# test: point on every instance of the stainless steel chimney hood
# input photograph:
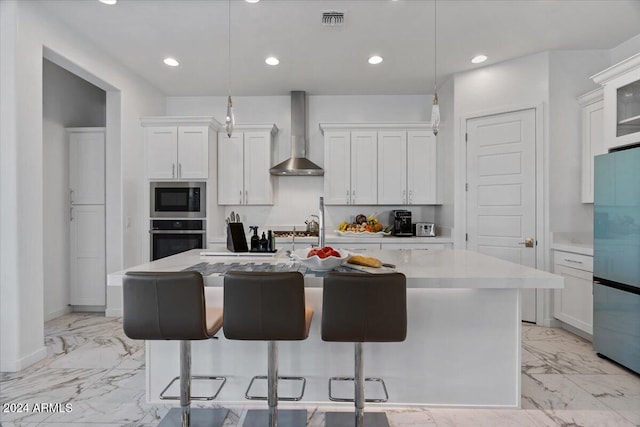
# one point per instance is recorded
(298, 164)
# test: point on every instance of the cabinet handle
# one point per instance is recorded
(353, 197)
(71, 195)
(347, 196)
(173, 170)
(246, 197)
(240, 197)
(71, 213)
(573, 261)
(180, 170)
(404, 196)
(410, 197)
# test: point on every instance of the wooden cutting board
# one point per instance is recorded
(372, 270)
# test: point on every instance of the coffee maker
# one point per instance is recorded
(401, 220)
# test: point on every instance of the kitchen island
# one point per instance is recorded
(462, 348)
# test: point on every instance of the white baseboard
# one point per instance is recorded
(57, 313)
(111, 312)
(24, 362)
(88, 308)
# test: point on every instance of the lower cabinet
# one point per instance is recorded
(574, 303)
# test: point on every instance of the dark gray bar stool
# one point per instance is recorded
(360, 308)
(171, 306)
(268, 306)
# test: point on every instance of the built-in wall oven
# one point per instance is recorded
(178, 212)
(178, 200)
(172, 236)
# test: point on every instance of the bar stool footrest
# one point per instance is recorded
(370, 379)
(283, 399)
(347, 419)
(195, 377)
(199, 417)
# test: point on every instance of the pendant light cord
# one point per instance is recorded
(435, 46)
(229, 48)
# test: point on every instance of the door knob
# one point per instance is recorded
(528, 242)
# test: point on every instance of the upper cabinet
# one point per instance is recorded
(592, 105)
(621, 102)
(243, 165)
(379, 163)
(178, 147)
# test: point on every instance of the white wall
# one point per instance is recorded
(297, 197)
(26, 33)
(67, 101)
(569, 73)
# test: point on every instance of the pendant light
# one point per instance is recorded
(435, 109)
(230, 120)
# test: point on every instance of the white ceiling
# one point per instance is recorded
(325, 60)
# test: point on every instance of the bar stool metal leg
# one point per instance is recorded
(185, 416)
(359, 385)
(272, 383)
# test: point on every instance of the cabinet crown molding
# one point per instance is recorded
(617, 70)
(181, 121)
(266, 127)
(591, 96)
(376, 126)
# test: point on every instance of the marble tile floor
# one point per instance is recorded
(95, 368)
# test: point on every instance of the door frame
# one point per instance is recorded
(543, 298)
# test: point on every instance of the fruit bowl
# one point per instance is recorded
(317, 263)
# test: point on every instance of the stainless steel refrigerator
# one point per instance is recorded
(616, 264)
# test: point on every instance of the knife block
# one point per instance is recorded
(236, 239)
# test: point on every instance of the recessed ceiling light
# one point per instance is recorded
(375, 60)
(109, 2)
(171, 62)
(272, 60)
(252, 1)
(479, 59)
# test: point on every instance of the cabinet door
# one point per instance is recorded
(592, 145)
(230, 169)
(162, 150)
(421, 168)
(193, 152)
(364, 168)
(574, 303)
(257, 161)
(86, 167)
(337, 168)
(392, 168)
(87, 255)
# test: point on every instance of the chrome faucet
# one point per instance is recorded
(321, 224)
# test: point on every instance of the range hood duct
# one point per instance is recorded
(298, 164)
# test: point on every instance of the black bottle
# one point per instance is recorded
(255, 240)
(263, 243)
(269, 241)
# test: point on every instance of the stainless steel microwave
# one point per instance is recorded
(178, 200)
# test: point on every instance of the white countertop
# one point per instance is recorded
(579, 243)
(332, 238)
(423, 268)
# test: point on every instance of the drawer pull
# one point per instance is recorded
(573, 260)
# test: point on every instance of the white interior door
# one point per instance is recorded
(501, 191)
(86, 167)
(87, 255)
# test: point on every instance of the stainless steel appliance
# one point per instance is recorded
(178, 200)
(425, 229)
(616, 263)
(401, 220)
(169, 237)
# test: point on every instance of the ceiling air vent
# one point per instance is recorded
(333, 18)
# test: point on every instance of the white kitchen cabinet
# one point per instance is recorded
(402, 171)
(350, 167)
(177, 148)
(592, 104)
(574, 303)
(244, 161)
(87, 255)
(621, 102)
